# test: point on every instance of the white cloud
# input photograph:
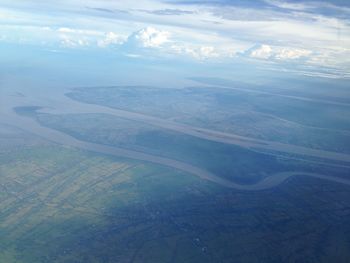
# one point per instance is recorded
(82, 32)
(290, 53)
(260, 51)
(153, 42)
(148, 37)
(207, 51)
(289, 5)
(73, 38)
(67, 41)
(111, 38)
(65, 30)
(294, 31)
(130, 55)
(267, 52)
(197, 52)
(146, 40)
(310, 6)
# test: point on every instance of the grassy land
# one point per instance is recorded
(306, 123)
(229, 161)
(63, 205)
(49, 194)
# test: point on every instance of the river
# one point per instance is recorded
(60, 104)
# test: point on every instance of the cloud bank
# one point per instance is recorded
(310, 33)
(267, 52)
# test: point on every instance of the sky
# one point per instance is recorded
(307, 37)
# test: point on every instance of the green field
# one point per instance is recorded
(56, 198)
(307, 123)
(228, 161)
(63, 205)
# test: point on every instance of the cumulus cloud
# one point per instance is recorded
(148, 37)
(111, 38)
(75, 38)
(152, 42)
(72, 37)
(67, 41)
(197, 52)
(260, 51)
(267, 52)
(202, 52)
(286, 53)
(308, 32)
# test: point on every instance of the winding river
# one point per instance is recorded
(8, 116)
